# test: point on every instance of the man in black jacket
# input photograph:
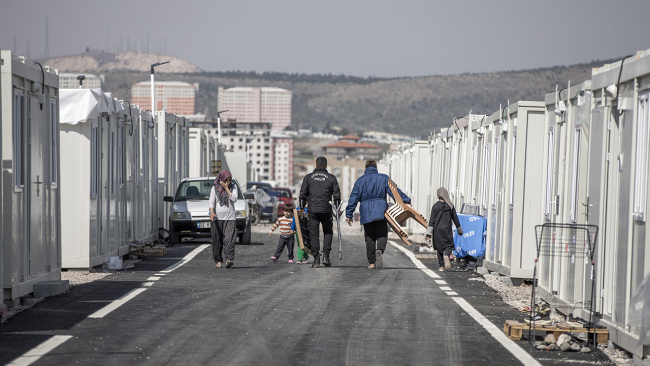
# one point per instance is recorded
(317, 191)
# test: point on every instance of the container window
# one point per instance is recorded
(136, 153)
(145, 161)
(641, 168)
(473, 174)
(486, 169)
(454, 168)
(54, 162)
(463, 166)
(494, 172)
(94, 163)
(111, 157)
(574, 180)
(513, 161)
(549, 174)
(120, 155)
(18, 132)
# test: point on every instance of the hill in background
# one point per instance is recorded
(97, 62)
(414, 106)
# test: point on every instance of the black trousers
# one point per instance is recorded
(442, 253)
(315, 220)
(285, 240)
(223, 239)
(376, 235)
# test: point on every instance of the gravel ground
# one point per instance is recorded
(77, 278)
(517, 297)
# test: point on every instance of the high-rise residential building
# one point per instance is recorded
(71, 81)
(283, 160)
(252, 138)
(246, 104)
(174, 96)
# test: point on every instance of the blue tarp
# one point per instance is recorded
(472, 242)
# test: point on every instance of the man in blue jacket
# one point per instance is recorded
(371, 190)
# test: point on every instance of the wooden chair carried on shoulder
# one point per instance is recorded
(397, 214)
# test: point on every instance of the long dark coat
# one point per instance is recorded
(440, 220)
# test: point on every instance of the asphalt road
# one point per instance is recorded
(265, 313)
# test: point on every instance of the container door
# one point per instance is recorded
(36, 190)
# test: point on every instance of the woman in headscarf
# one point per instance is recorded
(442, 215)
(222, 214)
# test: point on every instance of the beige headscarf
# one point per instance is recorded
(442, 193)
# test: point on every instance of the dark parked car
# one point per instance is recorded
(285, 198)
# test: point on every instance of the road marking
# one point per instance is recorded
(451, 293)
(441, 282)
(39, 351)
(117, 303)
(445, 288)
(497, 333)
(160, 274)
(185, 259)
(153, 278)
(147, 284)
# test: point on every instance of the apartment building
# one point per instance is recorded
(249, 105)
(174, 96)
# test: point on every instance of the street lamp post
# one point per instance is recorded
(153, 95)
(81, 80)
(219, 124)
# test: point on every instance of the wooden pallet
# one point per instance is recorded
(514, 329)
(426, 256)
(147, 250)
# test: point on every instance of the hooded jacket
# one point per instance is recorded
(371, 190)
(318, 189)
(441, 218)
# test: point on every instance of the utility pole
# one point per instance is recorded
(153, 88)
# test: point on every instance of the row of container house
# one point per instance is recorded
(84, 174)
(580, 157)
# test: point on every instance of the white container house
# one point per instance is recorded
(31, 235)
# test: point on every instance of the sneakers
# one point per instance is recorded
(447, 262)
(316, 263)
(274, 259)
(229, 263)
(305, 261)
(290, 261)
(372, 266)
(379, 261)
(326, 260)
(441, 269)
(218, 264)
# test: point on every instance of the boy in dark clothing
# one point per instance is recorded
(440, 230)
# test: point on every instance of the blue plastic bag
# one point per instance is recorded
(472, 242)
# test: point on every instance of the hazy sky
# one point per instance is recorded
(362, 38)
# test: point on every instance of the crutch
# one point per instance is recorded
(337, 216)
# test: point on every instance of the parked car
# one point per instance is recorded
(285, 198)
(190, 213)
(268, 212)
